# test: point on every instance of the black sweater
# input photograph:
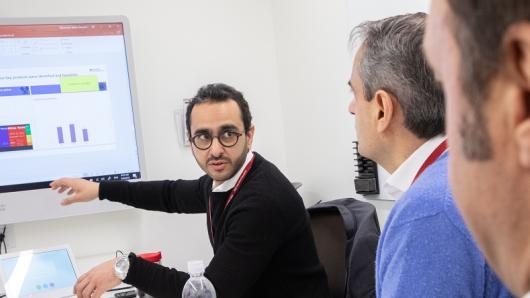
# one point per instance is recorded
(263, 244)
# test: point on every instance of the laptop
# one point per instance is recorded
(39, 273)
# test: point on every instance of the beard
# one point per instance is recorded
(233, 164)
(475, 138)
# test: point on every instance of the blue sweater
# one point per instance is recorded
(425, 249)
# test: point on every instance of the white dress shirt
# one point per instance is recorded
(230, 183)
(402, 178)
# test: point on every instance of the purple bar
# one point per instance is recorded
(60, 134)
(4, 137)
(72, 133)
(85, 134)
(14, 91)
(46, 89)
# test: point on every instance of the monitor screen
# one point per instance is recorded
(65, 104)
(47, 273)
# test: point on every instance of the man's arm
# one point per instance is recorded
(254, 234)
(182, 196)
(102, 278)
(429, 258)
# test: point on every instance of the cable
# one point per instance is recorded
(3, 241)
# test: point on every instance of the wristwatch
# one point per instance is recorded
(121, 266)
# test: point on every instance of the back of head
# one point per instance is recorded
(393, 61)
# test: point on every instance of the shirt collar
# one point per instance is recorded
(230, 183)
(402, 178)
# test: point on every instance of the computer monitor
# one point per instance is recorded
(67, 109)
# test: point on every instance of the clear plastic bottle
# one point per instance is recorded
(197, 286)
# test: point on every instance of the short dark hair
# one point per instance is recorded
(479, 26)
(393, 61)
(219, 92)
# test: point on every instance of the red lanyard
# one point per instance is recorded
(432, 158)
(232, 193)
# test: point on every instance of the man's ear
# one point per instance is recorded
(516, 48)
(250, 136)
(384, 109)
(522, 137)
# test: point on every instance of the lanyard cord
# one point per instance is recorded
(231, 196)
(431, 159)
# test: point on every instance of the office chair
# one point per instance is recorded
(346, 233)
(330, 240)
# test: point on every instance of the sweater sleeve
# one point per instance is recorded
(181, 196)
(428, 258)
(155, 279)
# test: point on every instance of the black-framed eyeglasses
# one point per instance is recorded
(227, 139)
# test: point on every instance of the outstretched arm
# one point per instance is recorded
(181, 196)
(79, 190)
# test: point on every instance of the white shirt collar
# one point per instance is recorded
(230, 183)
(527, 295)
(402, 178)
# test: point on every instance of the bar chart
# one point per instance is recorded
(73, 135)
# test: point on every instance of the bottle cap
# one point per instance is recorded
(195, 267)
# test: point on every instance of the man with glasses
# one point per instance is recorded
(257, 223)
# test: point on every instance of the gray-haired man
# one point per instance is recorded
(425, 249)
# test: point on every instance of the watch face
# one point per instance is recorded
(121, 267)
(122, 263)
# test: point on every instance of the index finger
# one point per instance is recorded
(57, 183)
(81, 284)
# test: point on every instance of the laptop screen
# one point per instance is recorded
(48, 273)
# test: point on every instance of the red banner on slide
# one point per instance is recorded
(64, 30)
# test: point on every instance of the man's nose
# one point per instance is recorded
(351, 107)
(216, 149)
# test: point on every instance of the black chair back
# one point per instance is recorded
(330, 240)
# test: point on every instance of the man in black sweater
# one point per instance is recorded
(257, 223)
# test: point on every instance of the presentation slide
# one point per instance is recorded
(66, 107)
(76, 96)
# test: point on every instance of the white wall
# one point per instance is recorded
(314, 65)
(178, 46)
